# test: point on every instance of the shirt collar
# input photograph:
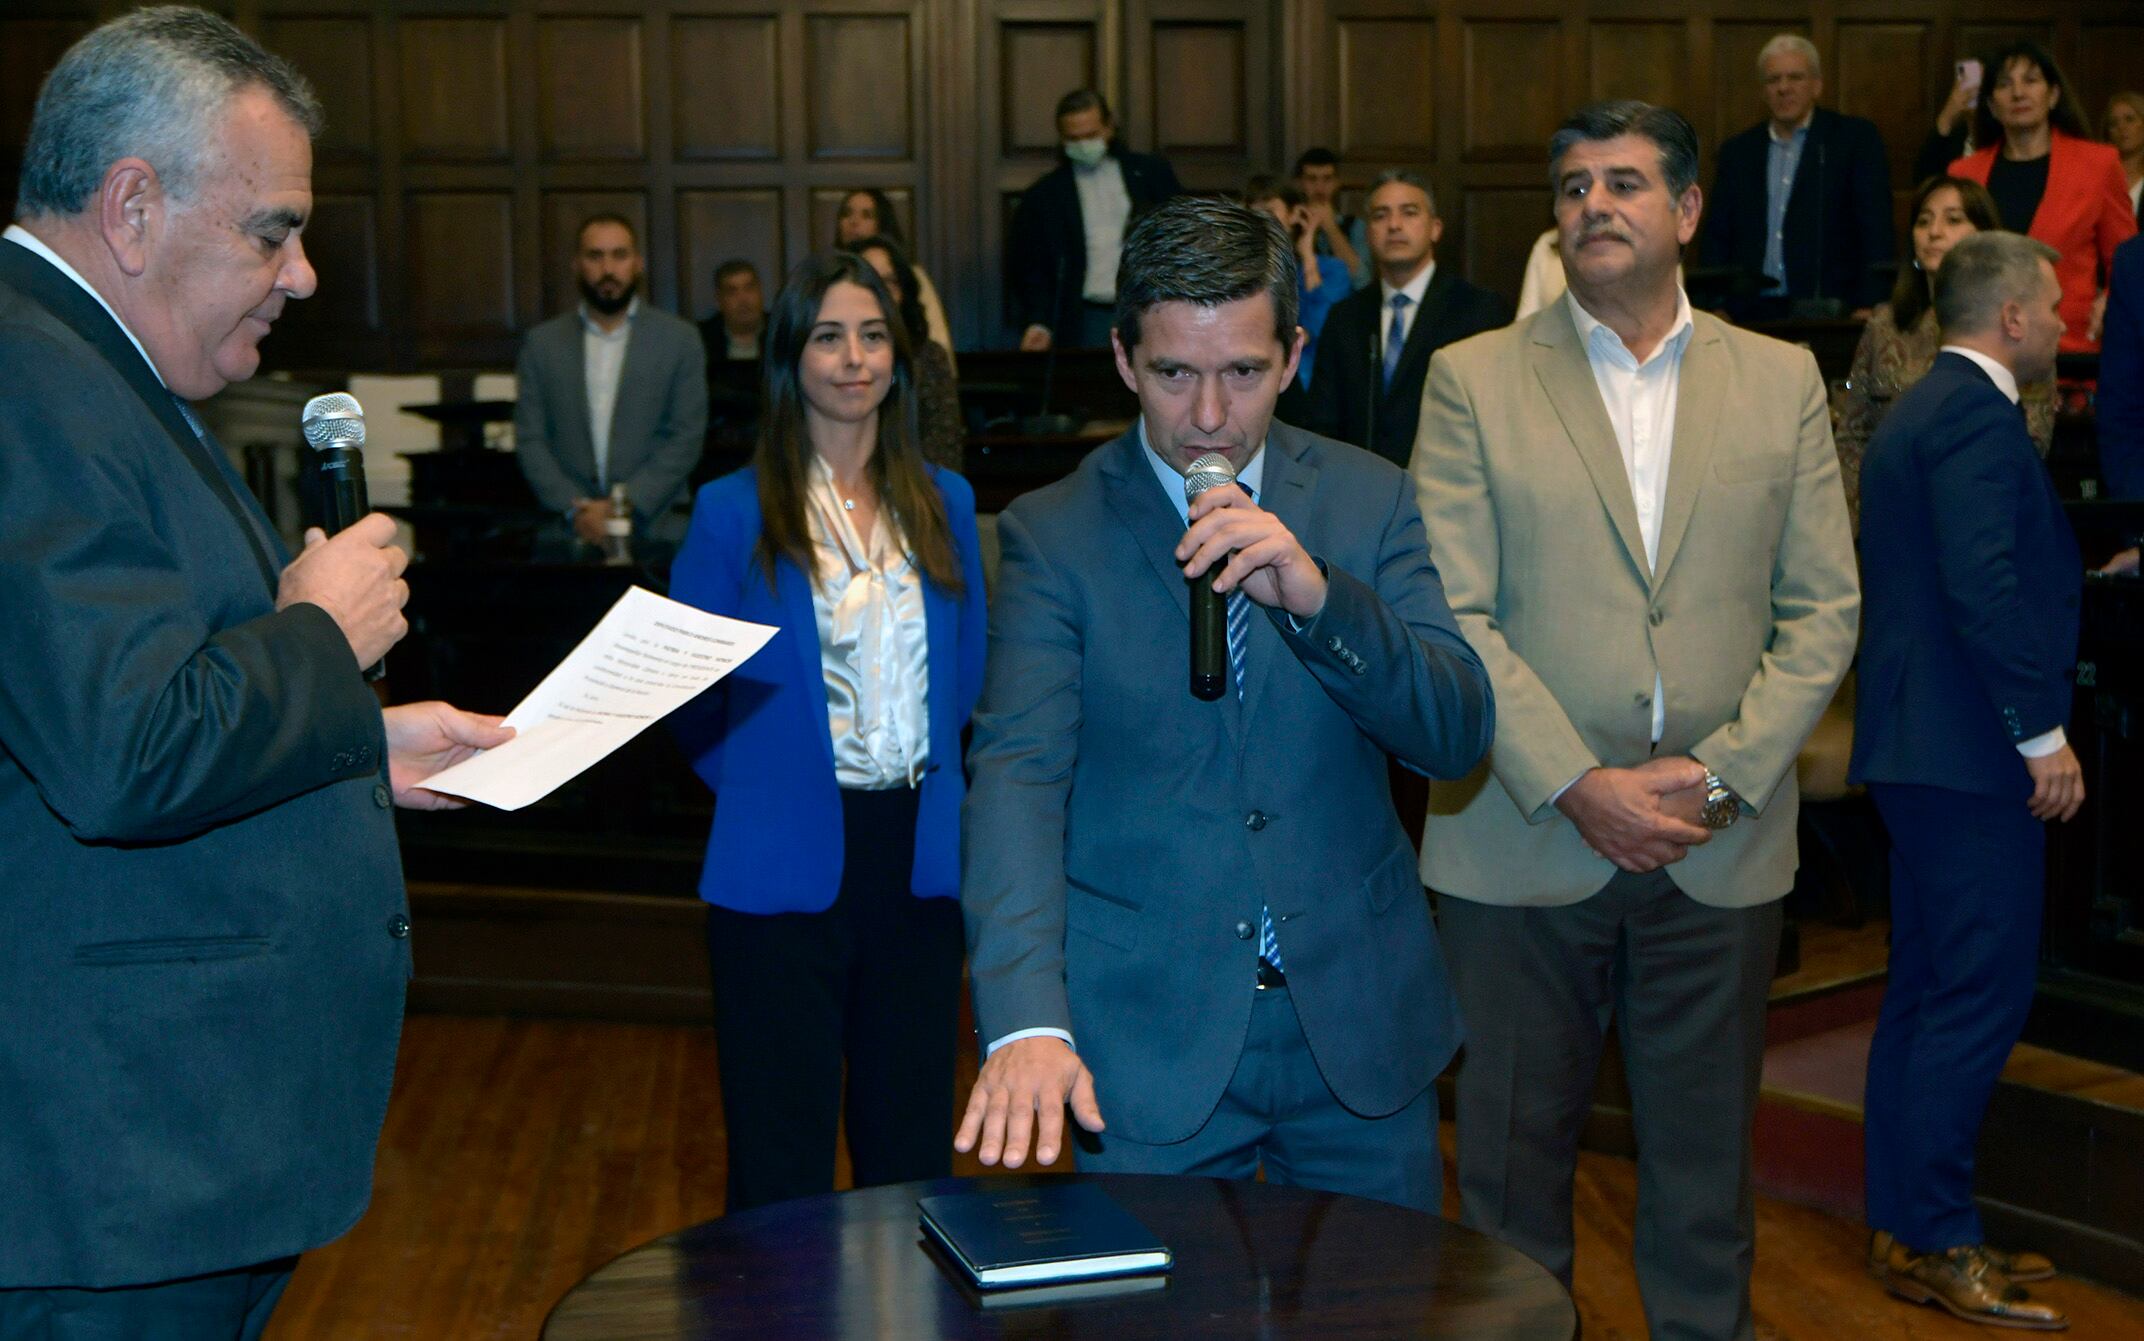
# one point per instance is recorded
(1599, 340)
(1250, 477)
(1799, 131)
(1414, 288)
(588, 321)
(2005, 380)
(28, 240)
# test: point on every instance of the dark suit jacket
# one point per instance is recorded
(1970, 583)
(1046, 248)
(1346, 398)
(1838, 221)
(760, 739)
(1120, 836)
(2120, 398)
(199, 981)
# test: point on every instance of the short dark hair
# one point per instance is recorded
(1982, 273)
(1671, 133)
(606, 218)
(736, 265)
(1266, 186)
(1910, 296)
(1405, 177)
(1317, 156)
(1208, 252)
(910, 303)
(1079, 100)
(2064, 116)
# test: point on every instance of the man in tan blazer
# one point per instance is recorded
(1637, 512)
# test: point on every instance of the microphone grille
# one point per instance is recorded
(1209, 471)
(334, 420)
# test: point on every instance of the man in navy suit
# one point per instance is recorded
(1801, 203)
(1971, 580)
(1215, 900)
(2121, 376)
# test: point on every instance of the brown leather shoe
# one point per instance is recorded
(2020, 1266)
(1967, 1282)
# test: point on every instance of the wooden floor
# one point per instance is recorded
(519, 1155)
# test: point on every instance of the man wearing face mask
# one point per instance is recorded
(614, 392)
(1061, 256)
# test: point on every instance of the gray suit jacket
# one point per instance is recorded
(658, 426)
(1120, 836)
(203, 940)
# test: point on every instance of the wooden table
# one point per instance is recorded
(1252, 1259)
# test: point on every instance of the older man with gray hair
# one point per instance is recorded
(203, 933)
(1973, 580)
(1801, 203)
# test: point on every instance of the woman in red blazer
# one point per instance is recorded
(2050, 180)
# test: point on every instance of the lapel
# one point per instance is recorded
(631, 367)
(1698, 401)
(793, 597)
(1559, 362)
(32, 275)
(1427, 319)
(584, 437)
(1289, 483)
(1804, 193)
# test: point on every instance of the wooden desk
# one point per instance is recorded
(1251, 1260)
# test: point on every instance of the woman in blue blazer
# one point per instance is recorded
(833, 867)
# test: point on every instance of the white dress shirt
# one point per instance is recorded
(603, 357)
(1105, 207)
(23, 237)
(874, 643)
(1414, 289)
(2047, 742)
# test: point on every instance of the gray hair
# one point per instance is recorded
(1983, 272)
(1406, 177)
(1799, 45)
(151, 85)
(1205, 252)
(1670, 132)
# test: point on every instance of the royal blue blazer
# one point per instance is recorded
(760, 738)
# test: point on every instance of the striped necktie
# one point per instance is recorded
(1395, 337)
(1239, 636)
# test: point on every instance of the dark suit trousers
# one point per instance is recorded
(873, 980)
(1967, 880)
(1685, 985)
(225, 1306)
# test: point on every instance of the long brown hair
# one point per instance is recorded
(1914, 291)
(2065, 116)
(782, 458)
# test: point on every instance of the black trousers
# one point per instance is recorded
(874, 981)
(223, 1306)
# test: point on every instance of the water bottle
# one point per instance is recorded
(618, 528)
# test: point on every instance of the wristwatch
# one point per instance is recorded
(1722, 806)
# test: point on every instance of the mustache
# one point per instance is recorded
(1602, 235)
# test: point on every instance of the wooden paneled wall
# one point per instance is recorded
(467, 137)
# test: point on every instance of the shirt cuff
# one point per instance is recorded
(1018, 1034)
(2040, 746)
(1557, 795)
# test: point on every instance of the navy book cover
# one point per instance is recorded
(1033, 1235)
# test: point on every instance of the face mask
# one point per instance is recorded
(1087, 153)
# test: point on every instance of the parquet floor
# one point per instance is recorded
(519, 1155)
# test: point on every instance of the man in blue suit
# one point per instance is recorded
(1202, 919)
(2121, 376)
(1971, 580)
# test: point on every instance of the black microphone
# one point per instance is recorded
(335, 429)
(1209, 609)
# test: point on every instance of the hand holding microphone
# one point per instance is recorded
(1235, 543)
(350, 566)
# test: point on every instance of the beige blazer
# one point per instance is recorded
(1749, 621)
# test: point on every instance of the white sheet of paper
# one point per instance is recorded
(647, 657)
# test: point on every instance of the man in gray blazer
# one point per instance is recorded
(613, 392)
(1199, 918)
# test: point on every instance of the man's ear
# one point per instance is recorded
(129, 203)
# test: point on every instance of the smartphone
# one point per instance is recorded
(1969, 76)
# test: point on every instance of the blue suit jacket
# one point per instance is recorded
(760, 737)
(1970, 584)
(2121, 376)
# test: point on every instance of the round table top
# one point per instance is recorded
(1251, 1259)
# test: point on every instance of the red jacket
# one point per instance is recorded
(2085, 215)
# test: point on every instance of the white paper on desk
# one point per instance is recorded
(647, 657)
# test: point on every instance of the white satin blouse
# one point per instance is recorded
(873, 643)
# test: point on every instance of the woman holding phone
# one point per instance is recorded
(833, 866)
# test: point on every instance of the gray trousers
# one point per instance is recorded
(223, 1306)
(1277, 1113)
(1685, 985)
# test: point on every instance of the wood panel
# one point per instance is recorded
(1499, 228)
(1863, 79)
(1387, 89)
(1199, 87)
(563, 214)
(1034, 58)
(453, 90)
(342, 241)
(461, 266)
(336, 55)
(713, 226)
(1640, 60)
(726, 86)
(2110, 59)
(857, 76)
(29, 48)
(589, 93)
(1515, 89)
(1981, 39)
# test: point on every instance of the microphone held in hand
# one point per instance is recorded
(334, 428)
(1209, 610)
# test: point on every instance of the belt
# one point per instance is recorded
(1268, 976)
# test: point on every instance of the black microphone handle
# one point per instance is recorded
(1209, 637)
(343, 502)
